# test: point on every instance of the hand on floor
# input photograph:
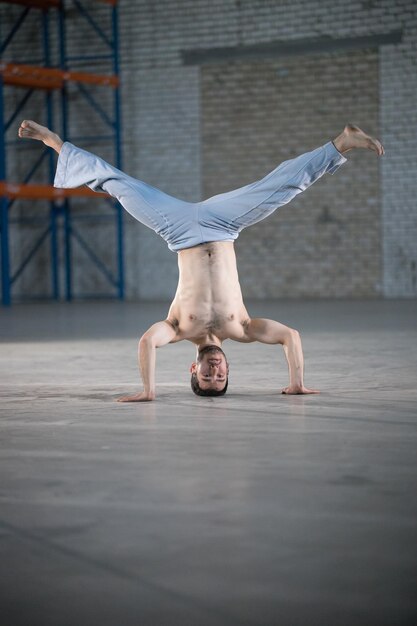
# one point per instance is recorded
(142, 396)
(298, 390)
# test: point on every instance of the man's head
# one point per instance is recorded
(209, 376)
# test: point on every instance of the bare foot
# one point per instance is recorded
(31, 130)
(354, 137)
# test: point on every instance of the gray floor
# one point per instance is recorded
(255, 508)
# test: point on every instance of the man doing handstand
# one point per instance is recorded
(208, 307)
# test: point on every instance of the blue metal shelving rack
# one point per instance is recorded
(53, 79)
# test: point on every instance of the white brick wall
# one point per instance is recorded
(162, 147)
(398, 120)
(258, 114)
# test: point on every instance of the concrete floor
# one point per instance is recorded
(255, 508)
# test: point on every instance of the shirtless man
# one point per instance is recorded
(208, 307)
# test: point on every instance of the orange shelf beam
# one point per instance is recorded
(50, 78)
(44, 192)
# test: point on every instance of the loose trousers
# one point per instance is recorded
(186, 224)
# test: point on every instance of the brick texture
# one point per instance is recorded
(256, 115)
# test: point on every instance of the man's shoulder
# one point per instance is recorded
(241, 331)
(173, 322)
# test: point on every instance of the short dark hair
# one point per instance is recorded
(206, 392)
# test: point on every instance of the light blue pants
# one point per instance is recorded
(186, 224)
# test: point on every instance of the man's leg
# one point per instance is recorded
(238, 209)
(77, 167)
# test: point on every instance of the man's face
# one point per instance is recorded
(211, 368)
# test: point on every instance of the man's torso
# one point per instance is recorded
(208, 302)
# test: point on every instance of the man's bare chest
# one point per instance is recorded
(203, 321)
(208, 301)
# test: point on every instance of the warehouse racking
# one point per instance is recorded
(58, 70)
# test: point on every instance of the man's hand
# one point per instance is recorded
(298, 390)
(142, 396)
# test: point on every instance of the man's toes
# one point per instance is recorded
(25, 132)
(374, 145)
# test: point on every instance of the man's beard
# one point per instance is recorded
(208, 349)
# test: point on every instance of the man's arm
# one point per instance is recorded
(156, 336)
(269, 331)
